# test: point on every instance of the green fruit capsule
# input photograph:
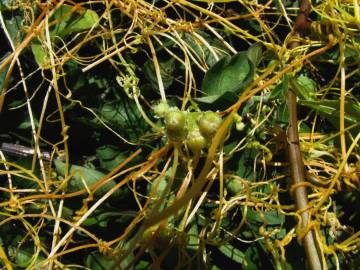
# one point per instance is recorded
(195, 141)
(175, 125)
(209, 123)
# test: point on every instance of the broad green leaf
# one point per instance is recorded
(124, 117)
(279, 92)
(102, 218)
(282, 113)
(26, 123)
(68, 20)
(110, 156)
(25, 181)
(193, 234)
(142, 265)
(234, 186)
(82, 174)
(3, 74)
(232, 253)
(304, 87)
(334, 54)
(72, 20)
(202, 52)
(230, 74)
(329, 109)
(25, 257)
(14, 25)
(271, 218)
(227, 98)
(167, 69)
(244, 165)
(41, 56)
(97, 261)
(255, 54)
(252, 259)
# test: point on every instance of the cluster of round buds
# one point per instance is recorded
(195, 129)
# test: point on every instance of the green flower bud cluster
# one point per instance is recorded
(195, 129)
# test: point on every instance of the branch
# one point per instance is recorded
(302, 27)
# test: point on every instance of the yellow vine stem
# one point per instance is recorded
(227, 24)
(157, 69)
(133, 175)
(330, 190)
(350, 243)
(135, 41)
(64, 128)
(42, 215)
(155, 209)
(5, 259)
(31, 115)
(342, 100)
(13, 57)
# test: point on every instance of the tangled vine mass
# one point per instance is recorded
(179, 134)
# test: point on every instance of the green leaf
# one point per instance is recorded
(14, 25)
(82, 174)
(279, 92)
(26, 123)
(167, 68)
(124, 117)
(224, 81)
(193, 234)
(102, 218)
(26, 182)
(142, 265)
(224, 99)
(253, 260)
(97, 261)
(234, 186)
(329, 109)
(110, 156)
(201, 52)
(271, 218)
(255, 54)
(3, 74)
(230, 74)
(232, 253)
(41, 56)
(282, 113)
(69, 20)
(334, 54)
(26, 256)
(304, 87)
(72, 20)
(245, 165)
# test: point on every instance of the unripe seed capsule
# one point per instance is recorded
(175, 125)
(209, 123)
(195, 141)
